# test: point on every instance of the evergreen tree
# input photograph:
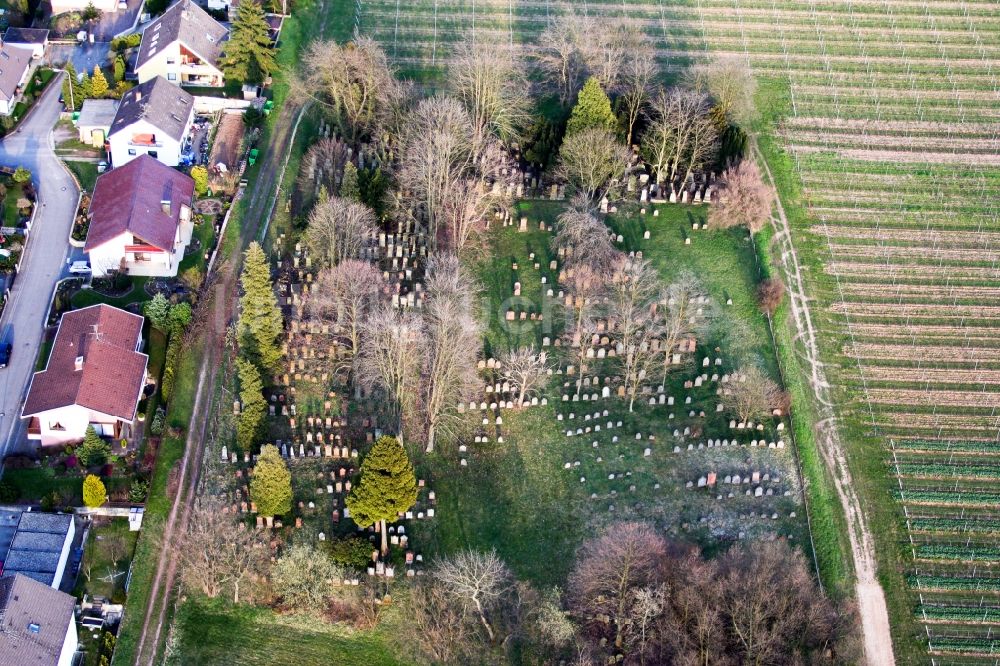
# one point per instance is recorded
(84, 91)
(260, 318)
(349, 186)
(199, 175)
(387, 486)
(170, 362)
(271, 485)
(93, 450)
(119, 69)
(593, 109)
(253, 406)
(94, 492)
(72, 89)
(157, 310)
(180, 317)
(249, 55)
(98, 84)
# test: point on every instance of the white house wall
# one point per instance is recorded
(168, 150)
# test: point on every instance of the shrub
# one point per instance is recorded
(351, 552)
(137, 491)
(94, 492)
(8, 493)
(199, 175)
(156, 426)
(21, 175)
(94, 450)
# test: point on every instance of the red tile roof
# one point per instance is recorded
(113, 373)
(130, 198)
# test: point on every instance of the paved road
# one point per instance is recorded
(45, 262)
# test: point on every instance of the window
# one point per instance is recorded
(131, 151)
(141, 256)
(152, 153)
(55, 425)
(171, 61)
(171, 76)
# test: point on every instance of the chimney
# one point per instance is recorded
(78, 364)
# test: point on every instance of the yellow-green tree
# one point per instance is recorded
(387, 487)
(260, 318)
(271, 485)
(94, 492)
(98, 83)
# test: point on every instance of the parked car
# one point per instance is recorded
(79, 267)
(5, 350)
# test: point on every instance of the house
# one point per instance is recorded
(94, 123)
(95, 376)
(37, 624)
(63, 6)
(140, 219)
(184, 45)
(35, 39)
(154, 119)
(39, 547)
(15, 67)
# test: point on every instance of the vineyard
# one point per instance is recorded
(885, 145)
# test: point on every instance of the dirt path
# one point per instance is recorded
(213, 325)
(872, 609)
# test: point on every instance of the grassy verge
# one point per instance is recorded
(865, 452)
(85, 172)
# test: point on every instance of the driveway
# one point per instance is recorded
(83, 56)
(45, 256)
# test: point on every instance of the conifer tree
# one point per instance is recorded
(98, 83)
(119, 70)
(349, 186)
(253, 407)
(271, 485)
(260, 318)
(592, 110)
(70, 87)
(249, 55)
(94, 492)
(387, 487)
(93, 450)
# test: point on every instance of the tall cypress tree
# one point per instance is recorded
(249, 55)
(253, 408)
(387, 487)
(260, 318)
(98, 83)
(271, 484)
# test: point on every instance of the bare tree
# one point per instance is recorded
(770, 293)
(320, 171)
(392, 345)
(339, 229)
(489, 78)
(438, 153)
(605, 48)
(680, 134)
(628, 556)
(305, 578)
(453, 340)
(525, 370)
(751, 394)
(218, 554)
(593, 160)
(636, 84)
(730, 83)
(479, 579)
(559, 55)
(584, 239)
(468, 200)
(631, 296)
(342, 297)
(743, 199)
(350, 80)
(437, 626)
(681, 313)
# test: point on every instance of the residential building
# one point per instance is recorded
(39, 547)
(37, 624)
(15, 68)
(154, 119)
(94, 123)
(36, 39)
(184, 45)
(141, 219)
(95, 376)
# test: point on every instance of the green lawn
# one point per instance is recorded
(34, 483)
(213, 632)
(205, 233)
(87, 297)
(106, 555)
(85, 172)
(15, 191)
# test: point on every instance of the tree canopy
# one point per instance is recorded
(271, 485)
(260, 318)
(387, 486)
(253, 406)
(94, 493)
(249, 56)
(592, 110)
